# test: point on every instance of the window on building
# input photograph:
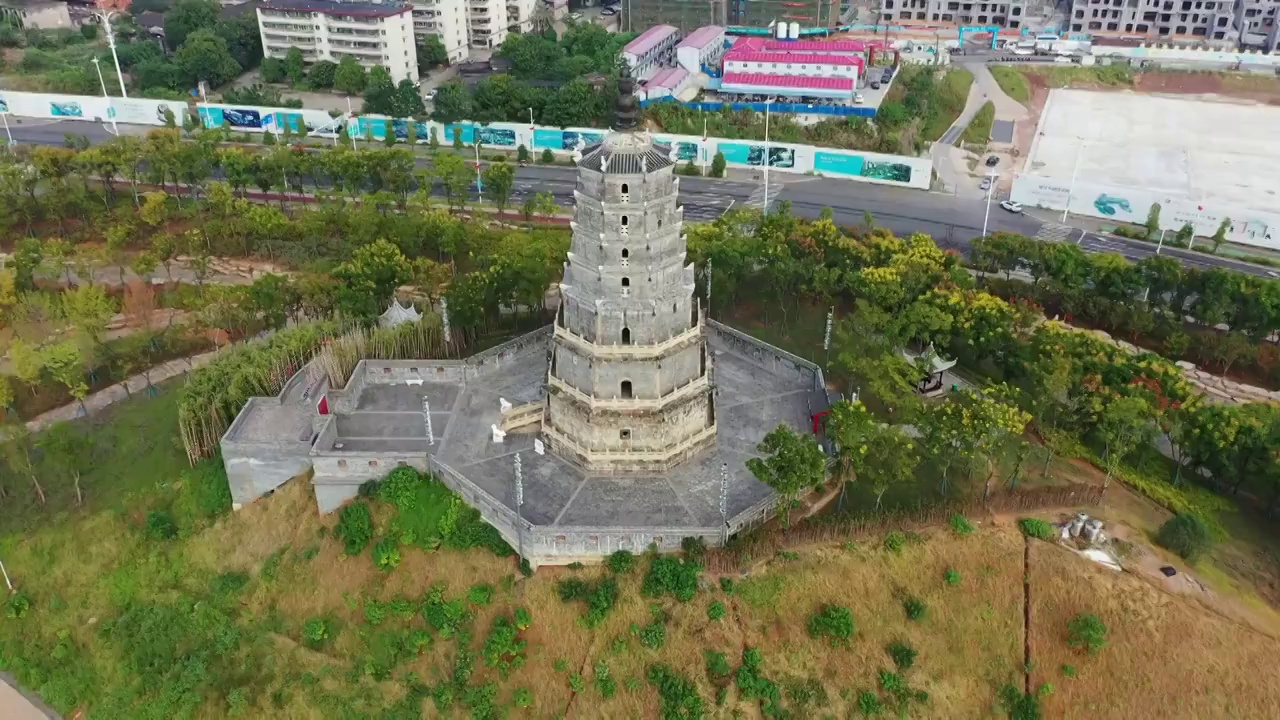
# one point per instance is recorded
(626, 336)
(626, 282)
(624, 221)
(626, 390)
(625, 253)
(625, 190)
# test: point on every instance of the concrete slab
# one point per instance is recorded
(1209, 152)
(1002, 131)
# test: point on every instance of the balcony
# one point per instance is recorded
(689, 389)
(298, 39)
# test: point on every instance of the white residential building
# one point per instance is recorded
(520, 14)
(651, 50)
(374, 32)
(704, 46)
(488, 22)
(447, 20)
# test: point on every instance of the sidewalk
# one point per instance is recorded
(114, 394)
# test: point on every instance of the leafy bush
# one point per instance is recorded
(1185, 534)
(446, 616)
(715, 610)
(869, 703)
(374, 612)
(524, 697)
(1022, 706)
(717, 664)
(804, 693)
(503, 649)
(480, 594)
(961, 525)
(726, 585)
(599, 596)
(1087, 632)
(671, 574)
(652, 636)
(895, 541)
(355, 527)
(914, 607)
(605, 683)
(160, 525)
(315, 632)
(386, 554)
(17, 606)
(834, 622)
(620, 562)
(694, 549)
(904, 656)
(228, 583)
(951, 576)
(576, 683)
(680, 698)
(524, 619)
(753, 685)
(400, 488)
(1036, 528)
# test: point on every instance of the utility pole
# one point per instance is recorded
(826, 338)
(426, 415)
(519, 505)
(104, 12)
(724, 504)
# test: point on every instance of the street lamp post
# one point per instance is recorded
(105, 14)
(111, 111)
(990, 189)
(1072, 187)
(767, 103)
(7, 132)
(479, 183)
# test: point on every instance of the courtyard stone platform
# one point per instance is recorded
(376, 422)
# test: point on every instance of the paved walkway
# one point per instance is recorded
(18, 705)
(115, 393)
(952, 163)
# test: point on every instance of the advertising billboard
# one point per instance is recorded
(140, 111)
(54, 106)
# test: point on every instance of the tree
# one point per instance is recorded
(794, 463)
(454, 173)
(244, 38)
(522, 153)
(65, 362)
(273, 70)
(15, 449)
(350, 76)
(88, 309)
(205, 56)
(69, 450)
(1153, 220)
(849, 425)
(186, 17)
(294, 68)
(539, 205)
(499, 178)
(892, 460)
(322, 74)
(969, 426)
(1124, 425)
(370, 278)
(380, 92)
(431, 52)
(1220, 235)
(452, 103)
(407, 102)
(718, 164)
(1185, 234)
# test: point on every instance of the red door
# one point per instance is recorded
(323, 405)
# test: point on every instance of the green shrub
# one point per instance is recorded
(694, 549)
(605, 683)
(904, 656)
(961, 525)
(400, 488)
(480, 594)
(17, 606)
(895, 685)
(524, 619)
(833, 622)
(715, 610)
(503, 649)
(1185, 534)
(315, 632)
(1087, 632)
(951, 577)
(652, 636)
(355, 527)
(228, 583)
(726, 585)
(446, 616)
(1022, 706)
(599, 596)
(548, 156)
(1036, 528)
(524, 697)
(753, 685)
(717, 664)
(679, 696)
(160, 525)
(869, 703)
(576, 683)
(914, 607)
(374, 611)
(620, 562)
(671, 574)
(895, 541)
(805, 693)
(386, 554)
(1069, 670)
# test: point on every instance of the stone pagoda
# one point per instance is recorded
(629, 382)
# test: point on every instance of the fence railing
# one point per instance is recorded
(778, 107)
(739, 556)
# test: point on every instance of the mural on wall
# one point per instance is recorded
(66, 109)
(497, 136)
(686, 151)
(4, 105)
(779, 157)
(572, 138)
(1109, 205)
(316, 122)
(421, 132)
(894, 171)
(147, 112)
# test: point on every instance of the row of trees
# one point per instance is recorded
(203, 46)
(1064, 385)
(1211, 316)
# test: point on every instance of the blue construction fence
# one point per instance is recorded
(811, 109)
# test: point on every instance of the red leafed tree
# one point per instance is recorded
(121, 6)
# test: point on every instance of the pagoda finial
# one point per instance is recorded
(628, 113)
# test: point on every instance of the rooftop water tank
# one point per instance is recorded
(794, 32)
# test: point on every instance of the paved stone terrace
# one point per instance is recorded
(751, 400)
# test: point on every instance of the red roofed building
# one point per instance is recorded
(832, 88)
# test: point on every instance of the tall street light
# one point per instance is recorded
(8, 133)
(107, 9)
(991, 188)
(768, 101)
(1072, 187)
(111, 111)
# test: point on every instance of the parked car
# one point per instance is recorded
(858, 99)
(609, 12)
(887, 75)
(986, 184)
(429, 95)
(992, 161)
(575, 16)
(875, 84)
(1011, 206)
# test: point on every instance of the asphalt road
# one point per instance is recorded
(950, 220)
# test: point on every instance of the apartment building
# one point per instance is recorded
(1008, 14)
(487, 22)
(520, 14)
(445, 19)
(651, 50)
(374, 32)
(1247, 23)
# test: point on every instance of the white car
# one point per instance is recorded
(858, 99)
(1011, 206)
(429, 95)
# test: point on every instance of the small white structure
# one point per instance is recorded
(704, 46)
(398, 314)
(539, 447)
(498, 433)
(668, 82)
(504, 405)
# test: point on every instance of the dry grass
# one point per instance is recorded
(1169, 657)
